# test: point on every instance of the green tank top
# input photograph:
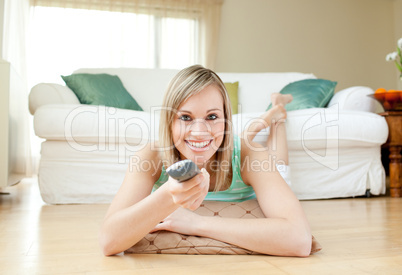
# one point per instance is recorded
(238, 190)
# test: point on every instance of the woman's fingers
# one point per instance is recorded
(194, 201)
(181, 187)
(199, 194)
(189, 196)
(186, 193)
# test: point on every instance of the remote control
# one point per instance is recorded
(183, 170)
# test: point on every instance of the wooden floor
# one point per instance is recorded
(359, 236)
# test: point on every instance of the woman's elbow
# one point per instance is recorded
(302, 244)
(107, 245)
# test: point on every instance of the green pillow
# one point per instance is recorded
(232, 89)
(101, 89)
(308, 93)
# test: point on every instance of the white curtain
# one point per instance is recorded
(15, 45)
(16, 14)
(206, 12)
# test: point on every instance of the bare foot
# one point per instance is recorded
(274, 115)
(277, 98)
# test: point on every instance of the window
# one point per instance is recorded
(65, 39)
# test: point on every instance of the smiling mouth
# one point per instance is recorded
(199, 144)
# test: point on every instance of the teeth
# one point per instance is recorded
(199, 144)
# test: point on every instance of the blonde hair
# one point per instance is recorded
(185, 84)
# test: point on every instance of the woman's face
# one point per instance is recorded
(199, 125)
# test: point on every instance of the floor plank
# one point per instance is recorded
(358, 235)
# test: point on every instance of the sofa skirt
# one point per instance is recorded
(69, 176)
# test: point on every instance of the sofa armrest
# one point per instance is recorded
(356, 99)
(50, 93)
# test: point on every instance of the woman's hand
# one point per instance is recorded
(189, 194)
(181, 221)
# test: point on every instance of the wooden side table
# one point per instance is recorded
(394, 143)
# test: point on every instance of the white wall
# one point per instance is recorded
(1, 27)
(398, 29)
(340, 40)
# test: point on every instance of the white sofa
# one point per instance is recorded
(333, 152)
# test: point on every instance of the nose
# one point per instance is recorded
(199, 127)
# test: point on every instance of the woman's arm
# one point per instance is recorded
(134, 211)
(130, 215)
(285, 231)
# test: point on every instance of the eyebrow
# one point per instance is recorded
(210, 110)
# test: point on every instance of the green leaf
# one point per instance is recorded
(398, 66)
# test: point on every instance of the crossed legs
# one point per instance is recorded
(274, 118)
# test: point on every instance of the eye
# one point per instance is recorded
(212, 117)
(185, 118)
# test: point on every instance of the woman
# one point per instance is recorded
(196, 124)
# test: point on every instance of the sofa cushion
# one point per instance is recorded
(308, 93)
(318, 128)
(255, 88)
(232, 89)
(94, 124)
(147, 86)
(312, 128)
(101, 89)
